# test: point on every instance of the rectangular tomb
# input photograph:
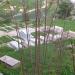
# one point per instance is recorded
(9, 61)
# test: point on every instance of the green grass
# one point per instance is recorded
(5, 39)
(66, 24)
(52, 59)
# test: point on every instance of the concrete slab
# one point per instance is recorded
(2, 33)
(9, 61)
(30, 30)
(14, 45)
(12, 33)
(51, 37)
(71, 34)
(56, 29)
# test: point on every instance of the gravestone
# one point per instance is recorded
(14, 45)
(71, 34)
(9, 61)
(51, 37)
(56, 29)
(1, 73)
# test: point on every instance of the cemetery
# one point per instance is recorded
(37, 37)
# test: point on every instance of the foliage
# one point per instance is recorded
(64, 9)
(67, 71)
(66, 24)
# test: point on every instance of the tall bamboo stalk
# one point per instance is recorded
(37, 39)
(73, 57)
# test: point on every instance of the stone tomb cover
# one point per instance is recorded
(9, 61)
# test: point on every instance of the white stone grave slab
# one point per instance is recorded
(51, 37)
(14, 45)
(57, 29)
(10, 61)
(71, 34)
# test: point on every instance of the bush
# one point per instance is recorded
(67, 71)
(64, 9)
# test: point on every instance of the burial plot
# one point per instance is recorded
(71, 34)
(14, 45)
(56, 29)
(9, 61)
(52, 37)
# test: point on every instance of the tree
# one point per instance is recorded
(64, 9)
